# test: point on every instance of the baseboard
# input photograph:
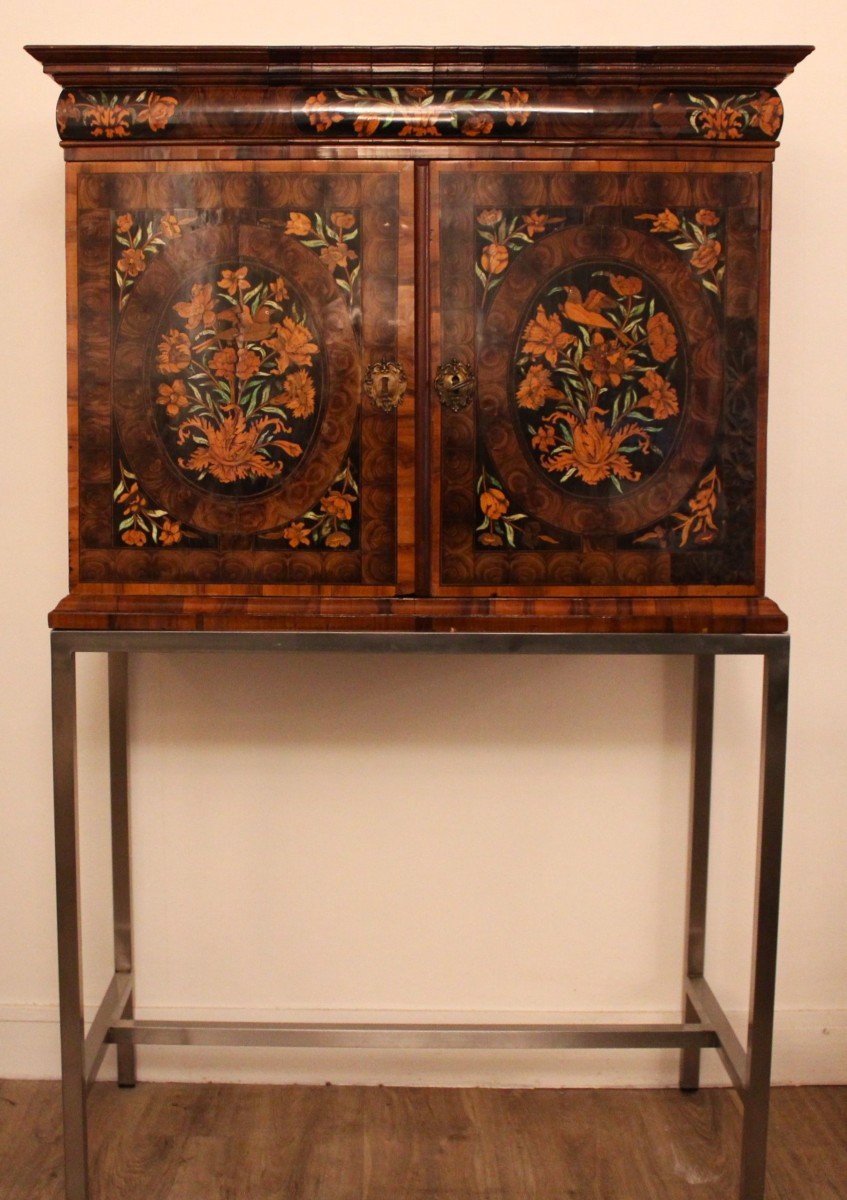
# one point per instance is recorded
(810, 1047)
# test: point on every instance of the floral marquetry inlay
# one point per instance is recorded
(237, 380)
(416, 111)
(719, 116)
(599, 379)
(111, 115)
(139, 521)
(501, 235)
(331, 523)
(336, 240)
(698, 236)
(697, 523)
(138, 239)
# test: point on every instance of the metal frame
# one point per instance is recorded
(704, 1022)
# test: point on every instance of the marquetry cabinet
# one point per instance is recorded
(418, 351)
(418, 336)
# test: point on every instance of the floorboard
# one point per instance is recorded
(226, 1142)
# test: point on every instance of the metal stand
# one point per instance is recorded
(704, 1022)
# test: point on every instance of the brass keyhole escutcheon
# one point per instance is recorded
(385, 384)
(455, 382)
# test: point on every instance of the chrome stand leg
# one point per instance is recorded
(121, 868)
(756, 1094)
(698, 852)
(71, 1015)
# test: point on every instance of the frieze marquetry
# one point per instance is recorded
(418, 112)
(719, 115)
(111, 115)
(563, 95)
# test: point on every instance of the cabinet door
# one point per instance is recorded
(244, 332)
(609, 313)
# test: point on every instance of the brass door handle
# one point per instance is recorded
(455, 382)
(385, 384)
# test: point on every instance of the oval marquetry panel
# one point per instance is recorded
(599, 390)
(235, 396)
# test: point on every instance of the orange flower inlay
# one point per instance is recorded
(661, 396)
(596, 451)
(199, 311)
(298, 394)
(132, 262)
(544, 337)
(661, 337)
(299, 224)
(292, 343)
(337, 505)
(495, 258)
(173, 397)
(296, 534)
(536, 388)
(707, 255)
(174, 352)
(231, 448)
(607, 362)
(493, 503)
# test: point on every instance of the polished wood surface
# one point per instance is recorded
(210, 1142)
(599, 537)
(218, 536)
(621, 614)
(187, 166)
(764, 65)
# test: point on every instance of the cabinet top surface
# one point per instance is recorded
(764, 65)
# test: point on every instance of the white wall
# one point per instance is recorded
(486, 837)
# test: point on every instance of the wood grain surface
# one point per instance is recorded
(646, 165)
(268, 65)
(609, 614)
(221, 1142)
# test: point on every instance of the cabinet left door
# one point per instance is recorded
(241, 377)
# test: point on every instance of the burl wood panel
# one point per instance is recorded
(226, 317)
(611, 314)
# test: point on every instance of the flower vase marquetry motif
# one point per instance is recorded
(599, 378)
(238, 380)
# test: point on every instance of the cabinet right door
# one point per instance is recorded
(613, 316)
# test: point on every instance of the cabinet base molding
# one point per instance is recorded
(612, 614)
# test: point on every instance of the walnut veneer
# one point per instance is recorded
(418, 339)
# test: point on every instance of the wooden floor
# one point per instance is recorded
(222, 1142)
